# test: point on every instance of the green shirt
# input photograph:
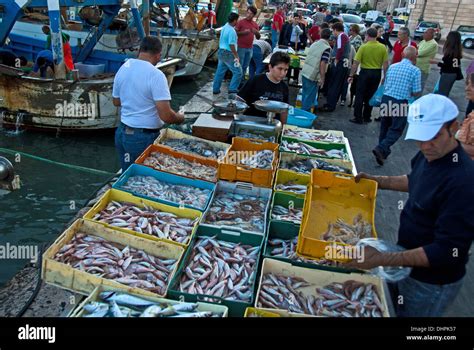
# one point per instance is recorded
(426, 51)
(372, 55)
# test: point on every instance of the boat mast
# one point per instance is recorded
(137, 19)
(56, 39)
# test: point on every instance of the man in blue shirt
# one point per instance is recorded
(228, 58)
(437, 222)
(402, 83)
(44, 60)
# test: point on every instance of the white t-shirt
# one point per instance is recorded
(139, 85)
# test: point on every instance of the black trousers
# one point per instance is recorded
(367, 84)
(386, 37)
(338, 77)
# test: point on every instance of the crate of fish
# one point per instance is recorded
(165, 188)
(298, 290)
(338, 212)
(88, 255)
(250, 161)
(165, 159)
(239, 207)
(184, 143)
(144, 218)
(314, 149)
(286, 208)
(219, 267)
(304, 164)
(254, 134)
(112, 302)
(254, 312)
(280, 244)
(333, 137)
(290, 182)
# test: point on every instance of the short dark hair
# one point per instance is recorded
(151, 44)
(334, 21)
(23, 61)
(324, 25)
(338, 26)
(372, 33)
(232, 17)
(355, 28)
(41, 61)
(279, 57)
(209, 6)
(253, 9)
(326, 33)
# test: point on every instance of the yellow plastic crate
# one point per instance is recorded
(230, 171)
(67, 277)
(331, 196)
(121, 196)
(285, 176)
(317, 279)
(260, 313)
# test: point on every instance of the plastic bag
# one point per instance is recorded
(390, 273)
(436, 88)
(376, 100)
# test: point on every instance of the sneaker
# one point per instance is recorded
(379, 158)
(343, 103)
(216, 92)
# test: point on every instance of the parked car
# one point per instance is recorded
(353, 19)
(372, 17)
(397, 24)
(467, 36)
(423, 26)
(352, 12)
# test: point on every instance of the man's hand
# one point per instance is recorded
(321, 82)
(236, 60)
(350, 80)
(372, 258)
(180, 117)
(364, 176)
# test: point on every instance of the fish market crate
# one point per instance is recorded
(287, 231)
(314, 149)
(254, 312)
(333, 137)
(65, 276)
(140, 170)
(294, 161)
(333, 196)
(241, 192)
(286, 201)
(192, 168)
(231, 168)
(125, 197)
(285, 177)
(236, 307)
(168, 134)
(95, 297)
(244, 131)
(318, 281)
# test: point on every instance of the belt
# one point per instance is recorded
(141, 129)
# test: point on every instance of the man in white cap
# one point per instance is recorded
(437, 222)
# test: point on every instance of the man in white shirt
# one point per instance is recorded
(142, 91)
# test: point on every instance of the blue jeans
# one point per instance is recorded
(256, 63)
(338, 77)
(392, 123)
(275, 38)
(131, 143)
(419, 299)
(245, 55)
(226, 61)
(309, 95)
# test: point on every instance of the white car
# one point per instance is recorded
(398, 23)
(354, 19)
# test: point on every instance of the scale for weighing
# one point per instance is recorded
(7, 176)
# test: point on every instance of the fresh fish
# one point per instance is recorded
(179, 194)
(253, 134)
(313, 135)
(290, 186)
(305, 165)
(342, 232)
(181, 166)
(195, 146)
(260, 159)
(306, 149)
(125, 299)
(280, 212)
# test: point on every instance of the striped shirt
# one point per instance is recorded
(403, 79)
(265, 47)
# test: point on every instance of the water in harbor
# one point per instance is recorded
(50, 195)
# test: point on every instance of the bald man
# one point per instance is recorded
(402, 84)
(427, 50)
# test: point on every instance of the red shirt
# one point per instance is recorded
(246, 41)
(398, 50)
(211, 18)
(277, 18)
(314, 33)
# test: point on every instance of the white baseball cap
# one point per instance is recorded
(427, 115)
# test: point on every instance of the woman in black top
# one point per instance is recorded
(451, 63)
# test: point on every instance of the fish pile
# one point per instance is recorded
(342, 232)
(180, 194)
(304, 148)
(313, 136)
(280, 212)
(114, 304)
(251, 135)
(221, 269)
(286, 248)
(291, 186)
(181, 166)
(147, 220)
(260, 160)
(305, 166)
(113, 261)
(348, 299)
(195, 146)
(237, 210)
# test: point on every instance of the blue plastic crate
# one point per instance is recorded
(140, 170)
(301, 118)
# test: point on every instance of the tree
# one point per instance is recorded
(366, 7)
